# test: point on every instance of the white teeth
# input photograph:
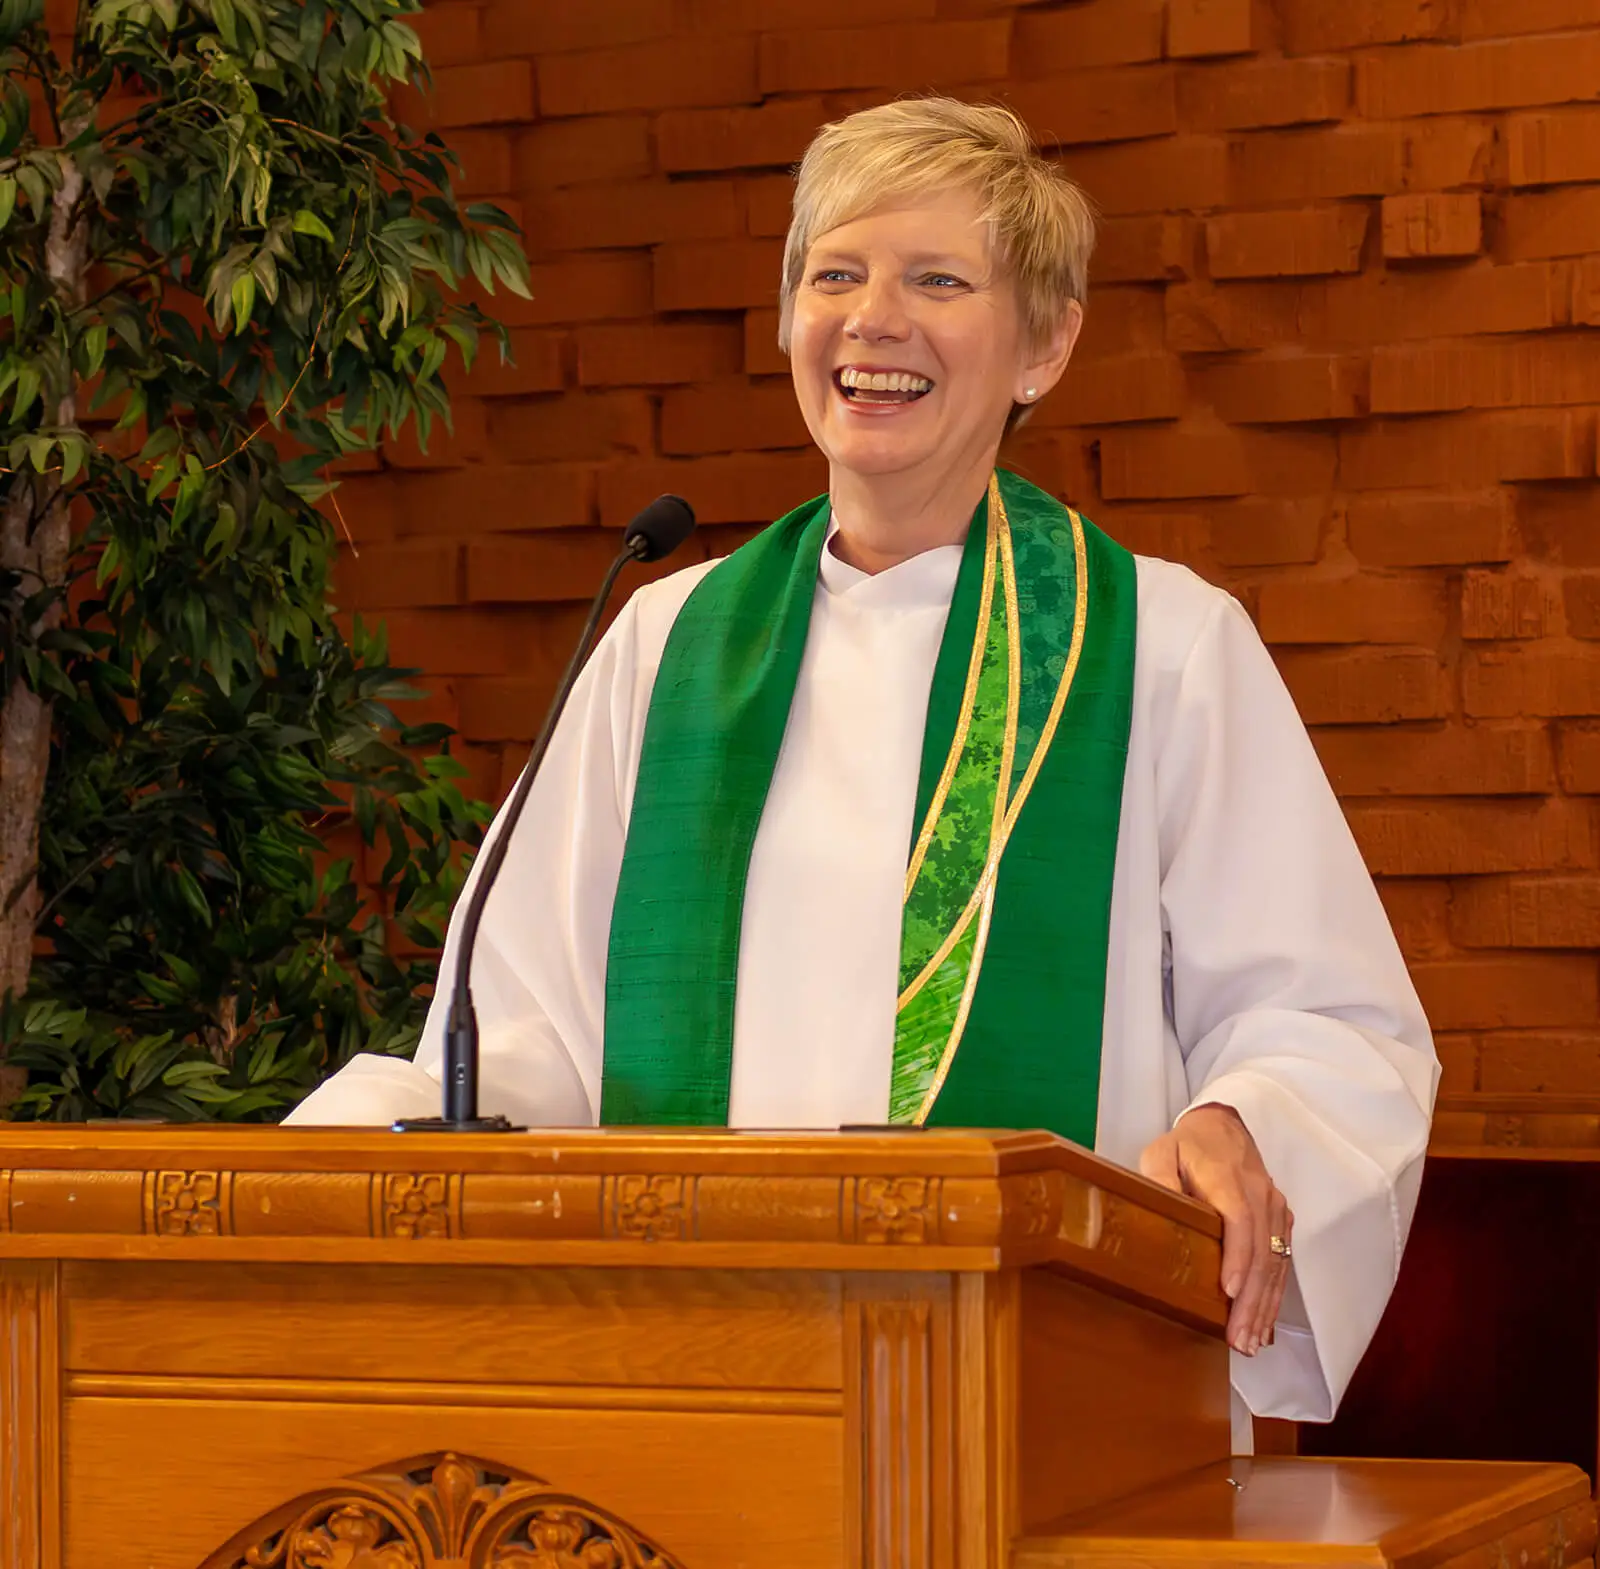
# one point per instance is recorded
(883, 381)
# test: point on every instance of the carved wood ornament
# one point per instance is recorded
(440, 1512)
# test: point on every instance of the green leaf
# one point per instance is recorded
(243, 297)
(307, 222)
(95, 343)
(8, 199)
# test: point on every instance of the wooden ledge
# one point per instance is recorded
(1390, 1514)
(1516, 1127)
(937, 1201)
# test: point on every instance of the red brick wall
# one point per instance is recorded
(1340, 358)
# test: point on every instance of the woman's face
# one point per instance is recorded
(907, 343)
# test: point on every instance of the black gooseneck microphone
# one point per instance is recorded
(656, 532)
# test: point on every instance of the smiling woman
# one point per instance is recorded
(932, 805)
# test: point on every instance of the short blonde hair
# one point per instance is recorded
(1042, 223)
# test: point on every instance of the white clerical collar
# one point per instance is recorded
(928, 579)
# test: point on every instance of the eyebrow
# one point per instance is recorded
(916, 259)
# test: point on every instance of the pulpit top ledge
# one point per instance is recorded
(914, 1201)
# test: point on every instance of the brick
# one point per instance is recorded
(1533, 991)
(717, 275)
(1556, 680)
(1059, 462)
(1134, 250)
(902, 57)
(1502, 18)
(671, 73)
(468, 442)
(1351, 610)
(1176, 174)
(1554, 148)
(1364, 686)
(1526, 912)
(633, 214)
(1327, 163)
(1582, 594)
(573, 427)
(556, 566)
(1485, 373)
(1530, 1062)
(744, 488)
(1097, 32)
(1406, 761)
(496, 92)
(449, 34)
(488, 498)
(364, 508)
(1263, 93)
(1549, 223)
(596, 286)
(1503, 605)
(449, 642)
(1210, 27)
(516, 27)
(1501, 73)
(577, 152)
(1419, 911)
(1458, 1063)
(485, 163)
(1586, 292)
(1315, 27)
(1580, 759)
(654, 354)
(505, 708)
(1432, 530)
(732, 416)
(1119, 320)
(402, 576)
(1139, 386)
(1413, 453)
(1465, 838)
(1157, 465)
(1279, 389)
(1257, 533)
(1280, 244)
(1203, 318)
(536, 363)
(762, 356)
(1537, 444)
(760, 16)
(775, 135)
(1558, 523)
(1108, 104)
(1432, 224)
(768, 203)
(1174, 536)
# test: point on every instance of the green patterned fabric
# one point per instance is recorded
(1013, 858)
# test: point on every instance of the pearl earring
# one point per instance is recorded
(1031, 394)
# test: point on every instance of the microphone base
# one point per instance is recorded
(455, 1125)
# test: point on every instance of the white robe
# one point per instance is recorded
(1250, 961)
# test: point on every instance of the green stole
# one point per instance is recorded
(1008, 887)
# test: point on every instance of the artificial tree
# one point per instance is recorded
(223, 270)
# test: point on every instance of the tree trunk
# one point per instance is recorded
(35, 543)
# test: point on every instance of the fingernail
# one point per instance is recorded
(1232, 1284)
(1255, 1345)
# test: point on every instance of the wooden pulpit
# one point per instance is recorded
(326, 1349)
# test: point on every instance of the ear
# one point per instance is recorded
(1048, 363)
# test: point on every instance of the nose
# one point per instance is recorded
(879, 315)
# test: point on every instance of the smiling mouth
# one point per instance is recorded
(882, 388)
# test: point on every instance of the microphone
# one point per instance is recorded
(654, 534)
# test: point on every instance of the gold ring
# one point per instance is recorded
(1280, 1247)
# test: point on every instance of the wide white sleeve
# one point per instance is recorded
(539, 969)
(1291, 1004)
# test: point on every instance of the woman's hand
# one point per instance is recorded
(1211, 1157)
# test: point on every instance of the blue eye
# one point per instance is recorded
(833, 275)
(943, 278)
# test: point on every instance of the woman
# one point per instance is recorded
(1131, 909)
